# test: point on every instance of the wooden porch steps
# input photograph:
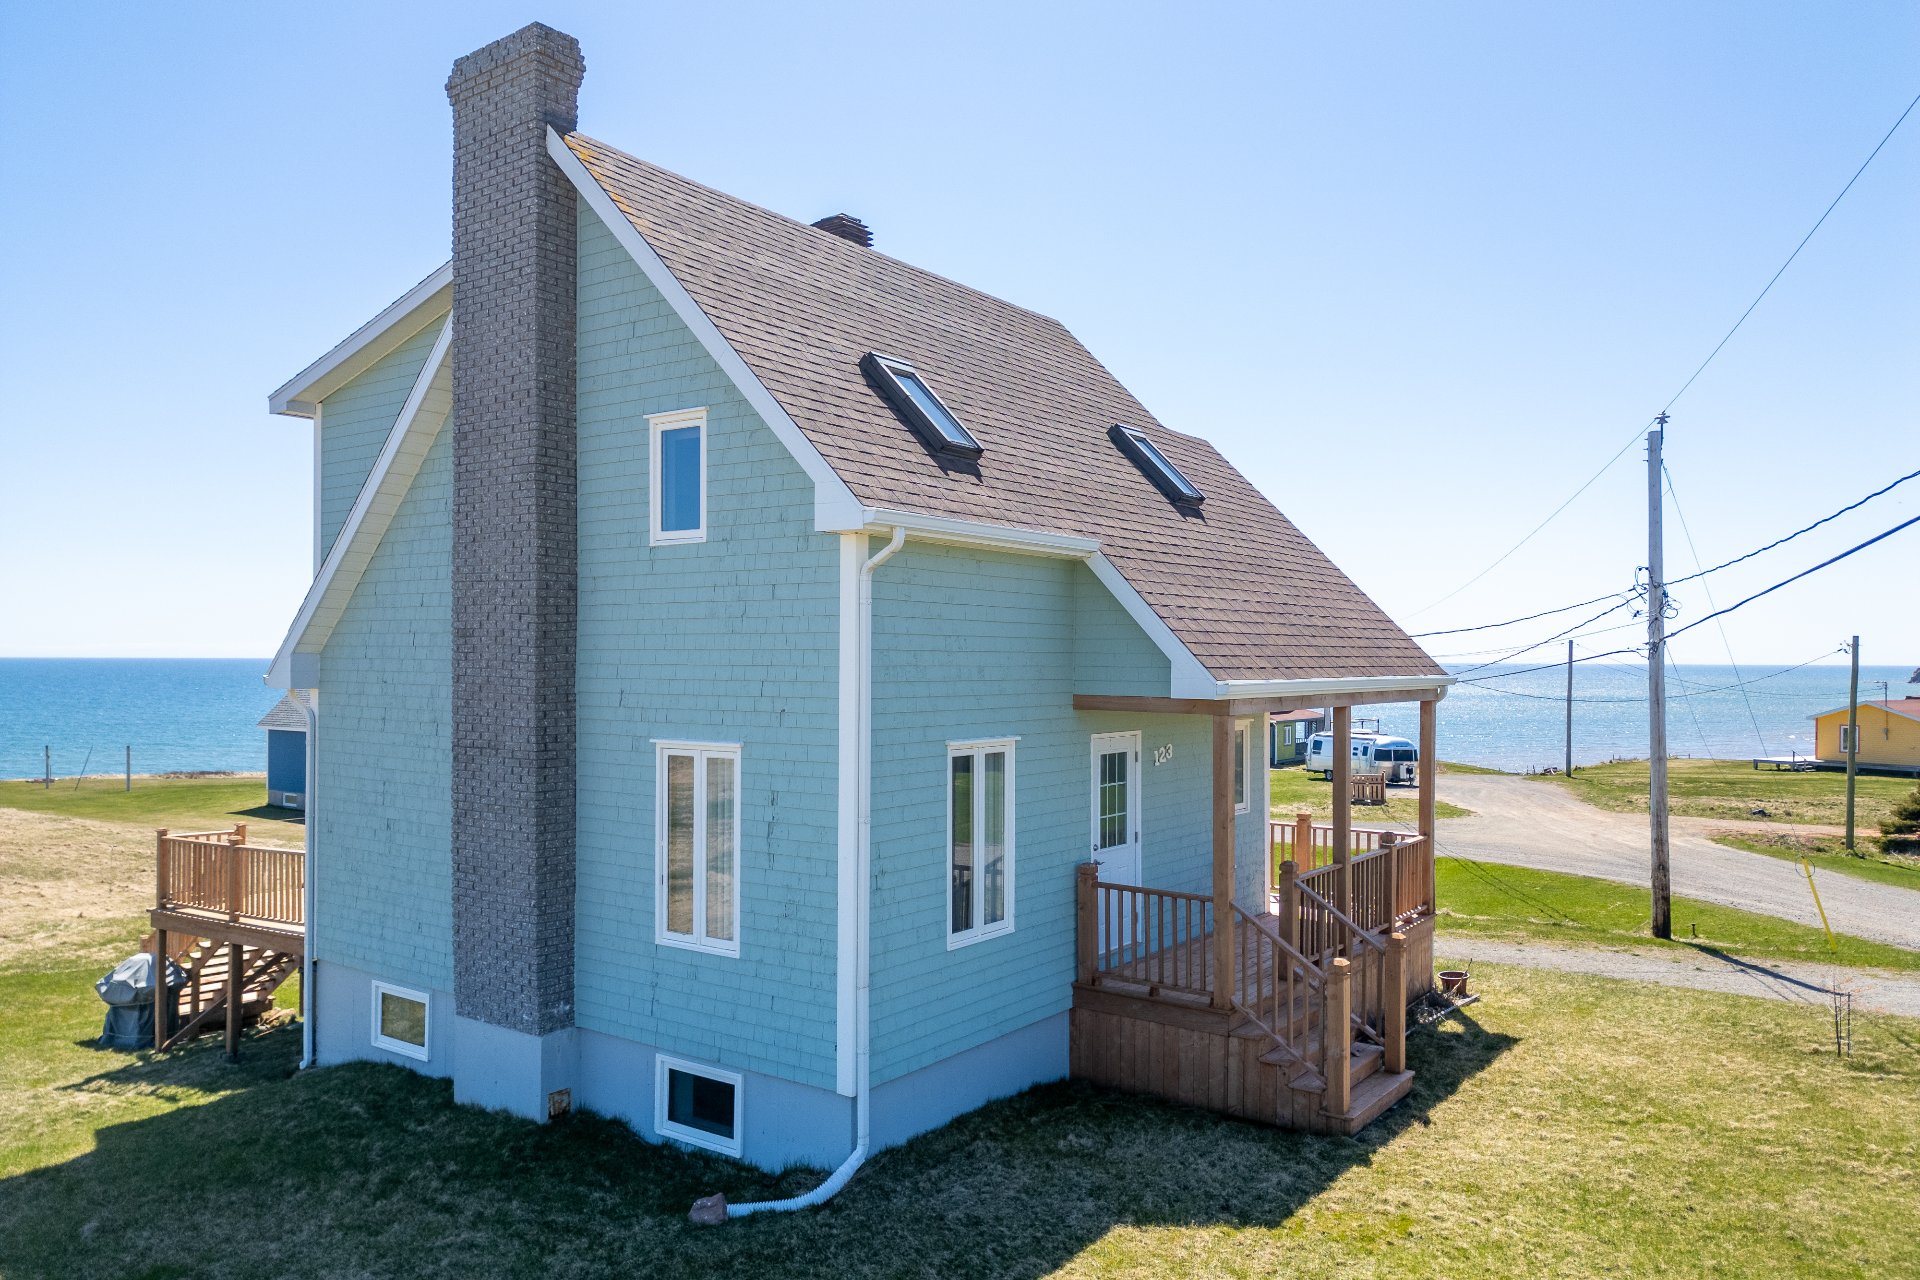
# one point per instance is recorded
(201, 1003)
(1370, 1099)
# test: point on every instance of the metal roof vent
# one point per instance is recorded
(847, 227)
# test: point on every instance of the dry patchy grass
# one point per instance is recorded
(71, 890)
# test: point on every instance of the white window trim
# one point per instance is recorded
(979, 932)
(657, 423)
(1243, 743)
(701, 752)
(698, 1137)
(1846, 732)
(401, 1047)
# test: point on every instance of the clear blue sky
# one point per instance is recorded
(1417, 269)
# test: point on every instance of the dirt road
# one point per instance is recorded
(1529, 823)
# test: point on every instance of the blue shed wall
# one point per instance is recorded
(287, 761)
(732, 640)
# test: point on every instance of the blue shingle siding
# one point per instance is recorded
(731, 640)
(355, 422)
(977, 644)
(383, 883)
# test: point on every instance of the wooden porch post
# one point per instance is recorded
(1289, 907)
(1303, 839)
(1343, 804)
(235, 971)
(1086, 937)
(1429, 770)
(1395, 1011)
(161, 996)
(1390, 845)
(1223, 975)
(1336, 1037)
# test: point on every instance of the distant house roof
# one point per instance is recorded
(288, 713)
(1235, 581)
(1908, 707)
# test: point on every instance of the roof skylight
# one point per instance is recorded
(930, 419)
(1146, 455)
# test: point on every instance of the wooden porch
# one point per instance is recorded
(232, 916)
(1290, 1010)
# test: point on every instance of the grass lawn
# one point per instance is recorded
(1535, 1143)
(1734, 789)
(1520, 904)
(1829, 853)
(180, 804)
(1291, 790)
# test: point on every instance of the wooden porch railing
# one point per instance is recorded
(1388, 878)
(220, 873)
(1281, 991)
(1153, 936)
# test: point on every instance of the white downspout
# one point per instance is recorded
(308, 996)
(863, 873)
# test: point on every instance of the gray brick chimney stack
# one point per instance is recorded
(514, 569)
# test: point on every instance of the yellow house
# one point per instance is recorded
(1889, 734)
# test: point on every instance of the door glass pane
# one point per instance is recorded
(1113, 798)
(721, 806)
(680, 479)
(679, 844)
(993, 837)
(960, 805)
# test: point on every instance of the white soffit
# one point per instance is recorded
(427, 301)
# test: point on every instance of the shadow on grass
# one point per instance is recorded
(371, 1170)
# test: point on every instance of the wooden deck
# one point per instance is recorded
(231, 915)
(1293, 1016)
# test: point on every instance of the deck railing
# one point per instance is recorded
(1151, 936)
(1308, 844)
(1280, 991)
(1387, 880)
(220, 873)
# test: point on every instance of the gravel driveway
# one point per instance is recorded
(1527, 823)
(1701, 970)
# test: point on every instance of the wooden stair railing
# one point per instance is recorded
(1374, 964)
(1282, 993)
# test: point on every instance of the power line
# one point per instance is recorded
(1698, 692)
(1725, 643)
(1551, 666)
(1511, 622)
(1554, 514)
(1796, 252)
(1778, 542)
(1720, 613)
(1562, 635)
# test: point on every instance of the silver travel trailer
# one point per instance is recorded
(1397, 758)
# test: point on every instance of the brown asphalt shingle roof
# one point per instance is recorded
(1245, 590)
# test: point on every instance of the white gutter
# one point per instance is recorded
(1229, 689)
(711, 1208)
(307, 994)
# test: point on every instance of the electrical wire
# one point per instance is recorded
(1725, 642)
(1721, 613)
(1697, 693)
(1562, 635)
(1777, 542)
(1510, 622)
(1692, 378)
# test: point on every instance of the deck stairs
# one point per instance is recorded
(1373, 1089)
(200, 1008)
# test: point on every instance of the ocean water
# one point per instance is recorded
(200, 713)
(176, 713)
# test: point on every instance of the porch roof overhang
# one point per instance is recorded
(1260, 697)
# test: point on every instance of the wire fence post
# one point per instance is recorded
(129, 766)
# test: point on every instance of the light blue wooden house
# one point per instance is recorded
(734, 651)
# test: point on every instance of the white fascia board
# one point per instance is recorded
(975, 533)
(426, 302)
(834, 507)
(1190, 677)
(296, 665)
(1414, 686)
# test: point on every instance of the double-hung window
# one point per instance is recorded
(979, 840)
(677, 484)
(697, 845)
(1243, 770)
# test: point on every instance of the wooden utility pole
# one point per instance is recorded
(1657, 690)
(1853, 733)
(1568, 768)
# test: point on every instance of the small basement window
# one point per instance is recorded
(697, 1105)
(924, 411)
(1146, 455)
(400, 1020)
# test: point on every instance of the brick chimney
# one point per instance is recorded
(514, 567)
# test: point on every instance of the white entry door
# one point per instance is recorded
(1116, 806)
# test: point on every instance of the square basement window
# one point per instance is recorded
(400, 1020)
(697, 1105)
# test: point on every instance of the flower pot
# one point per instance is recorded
(1453, 982)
